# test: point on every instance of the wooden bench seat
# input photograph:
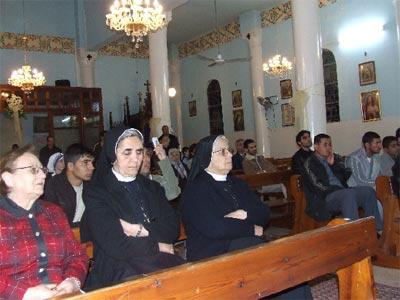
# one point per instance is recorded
(266, 269)
(88, 245)
(302, 221)
(389, 253)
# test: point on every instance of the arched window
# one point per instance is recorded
(331, 86)
(215, 107)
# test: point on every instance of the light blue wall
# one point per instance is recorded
(195, 76)
(119, 77)
(385, 54)
(38, 15)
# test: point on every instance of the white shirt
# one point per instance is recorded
(80, 206)
(217, 177)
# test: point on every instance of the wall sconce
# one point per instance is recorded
(361, 34)
(172, 92)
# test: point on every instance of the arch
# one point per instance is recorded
(215, 107)
(331, 86)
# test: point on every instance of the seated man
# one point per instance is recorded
(303, 140)
(324, 179)
(66, 189)
(364, 162)
(388, 157)
(167, 178)
(238, 157)
(173, 140)
(256, 164)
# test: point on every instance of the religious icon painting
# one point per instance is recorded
(286, 89)
(366, 73)
(288, 116)
(371, 106)
(237, 98)
(238, 120)
(192, 108)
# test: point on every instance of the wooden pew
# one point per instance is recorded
(302, 221)
(389, 253)
(88, 245)
(266, 269)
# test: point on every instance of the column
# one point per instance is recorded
(396, 4)
(175, 69)
(159, 79)
(250, 27)
(86, 63)
(308, 65)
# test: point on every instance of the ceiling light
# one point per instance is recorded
(136, 17)
(172, 92)
(278, 67)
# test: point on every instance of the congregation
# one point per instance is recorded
(129, 198)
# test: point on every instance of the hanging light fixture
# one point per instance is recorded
(25, 77)
(136, 17)
(278, 67)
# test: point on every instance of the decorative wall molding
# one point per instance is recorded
(125, 49)
(224, 34)
(231, 31)
(40, 43)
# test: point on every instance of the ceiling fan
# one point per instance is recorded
(219, 60)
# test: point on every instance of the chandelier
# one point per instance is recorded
(136, 17)
(25, 77)
(278, 67)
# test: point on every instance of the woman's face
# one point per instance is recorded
(129, 156)
(221, 158)
(27, 178)
(60, 165)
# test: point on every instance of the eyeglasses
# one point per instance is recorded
(224, 151)
(34, 170)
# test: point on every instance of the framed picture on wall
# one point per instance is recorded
(286, 89)
(366, 73)
(238, 120)
(371, 106)
(192, 108)
(237, 98)
(288, 116)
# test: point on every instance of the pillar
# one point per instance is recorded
(308, 65)
(86, 63)
(250, 27)
(176, 83)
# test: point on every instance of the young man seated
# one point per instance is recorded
(303, 141)
(388, 157)
(66, 189)
(256, 164)
(324, 178)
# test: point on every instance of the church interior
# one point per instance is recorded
(245, 69)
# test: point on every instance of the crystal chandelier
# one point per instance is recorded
(277, 67)
(25, 77)
(136, 17)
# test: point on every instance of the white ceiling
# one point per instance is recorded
(190, 18)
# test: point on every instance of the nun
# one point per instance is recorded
(220, 212)
(129, 220)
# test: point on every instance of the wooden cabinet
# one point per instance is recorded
(73, 113)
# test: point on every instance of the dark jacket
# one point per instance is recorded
(316, 184)
(205, 203)
(298, 160)
(59, 191)
(237, 160)
(116, 255)
(46, 152)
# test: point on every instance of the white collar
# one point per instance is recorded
(123, 178)
(217, 177)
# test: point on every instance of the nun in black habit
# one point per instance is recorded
(220, 212)
(129, 219)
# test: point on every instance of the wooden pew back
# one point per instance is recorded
(302, 221)
(88, 245)
(389, 253)
(266, 269)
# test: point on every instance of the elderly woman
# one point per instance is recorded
(131, 223)
(39, 255)
(220, 212)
